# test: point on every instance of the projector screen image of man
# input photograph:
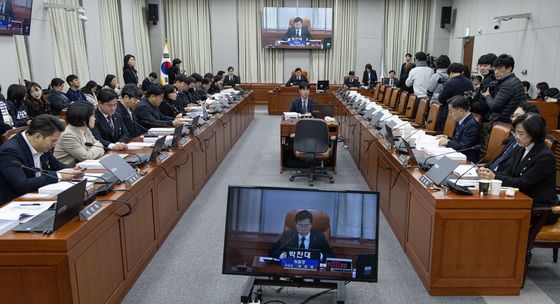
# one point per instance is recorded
(304, 238)
(297, 31)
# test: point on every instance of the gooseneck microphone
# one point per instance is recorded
(475, 147)
(283, 245)
(144, 129)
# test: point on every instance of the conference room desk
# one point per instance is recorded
(287, 128)
(458, 245)
(97, 261)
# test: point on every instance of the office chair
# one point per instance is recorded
(500, 132)
(321, 222)
(313, 145)
(11, 133)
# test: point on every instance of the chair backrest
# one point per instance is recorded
(422, 108)
(303, 73)
(376, 92)
(321, 222)
(500, 132)
(433, 116)
(312, 136)
(556, 151)
(403, 100)
(305, 22)
(450, 124)
(10, 133)
(387, 96)
(549, 111)
(410, 106)
(394, 97)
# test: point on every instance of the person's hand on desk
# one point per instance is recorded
(485, 173)
(71, 173)
(177, 122)
(119, 146)
(180, 115)
(442, 139)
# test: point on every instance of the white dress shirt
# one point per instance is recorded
(36, 154)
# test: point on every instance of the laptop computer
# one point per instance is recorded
(417, 159)
(376, 118)
(367, 114)
(194, 125)
(177, 136)
(119, 168)
(322, 110)
(68, 205)
(139, 159)
(439, 172)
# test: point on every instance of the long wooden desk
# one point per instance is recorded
(287, 128)
(99, 260)
(458, 245)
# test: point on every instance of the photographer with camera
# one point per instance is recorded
(478, 102)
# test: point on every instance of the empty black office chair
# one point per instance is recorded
(313, 145)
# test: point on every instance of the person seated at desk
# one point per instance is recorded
(351, 81)
(533, 168)
(109, 127)
(77, 142)
(304, 238)
(502, 163)
(32, 148)
(466, 133)
(148, 113)
(302, 104)
(391, 80)
(231, 79)
(296, 79)
(297, 31)
(170, 105)
(130, 96)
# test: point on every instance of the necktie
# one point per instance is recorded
(110, 120)
(302, 244)
(230, 78)
(304, 107)
(298, 33)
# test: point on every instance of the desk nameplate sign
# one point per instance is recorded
(162, 157)
(386, 144)
(133, 179)
(90, 211)
(403, 160)
(425, 181)
(183, 142)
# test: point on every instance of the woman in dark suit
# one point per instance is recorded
(533, 168)
(370, 76)
(168, 106)
(130, 74)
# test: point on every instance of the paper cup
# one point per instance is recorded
(495, 187)
(484, 186)
(510, 191)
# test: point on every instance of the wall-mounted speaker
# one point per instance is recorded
(153, 13)
(445, 16)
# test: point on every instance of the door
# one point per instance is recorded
(468, 47)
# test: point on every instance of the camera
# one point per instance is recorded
(491, 85)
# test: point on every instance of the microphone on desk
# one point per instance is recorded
(144, 129)
(462, 190)
(475, 147)
(415, 131)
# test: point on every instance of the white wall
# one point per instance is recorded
(533, 44)
(369, 35)
(438, 38)
(223, 28)
(94, 49)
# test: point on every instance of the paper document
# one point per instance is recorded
(56, 188)
(139, 145)
(7, 225)
(29, 209)
(462, 169)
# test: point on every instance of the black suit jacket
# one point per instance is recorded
(102, 131)
(295, 82)
(352, 84)
(149, 116)
(169, 108)
(235, 80)
(534, 175)
(291, 33)
(289, 239)
(129, 121)
(59, 101)
(366, 79)
(130, 76)
(502, 163)
(16, 181)
(297, 105)
(465, 136)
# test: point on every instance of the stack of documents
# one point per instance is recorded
(56, 188)
(468, 171)
(94, 164)
(161, 131)
(140, 145)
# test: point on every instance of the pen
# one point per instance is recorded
(30, 204)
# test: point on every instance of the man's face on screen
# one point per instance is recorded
(303, 227)
(297, 25)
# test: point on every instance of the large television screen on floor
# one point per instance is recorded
(301, 233)
(296, 28)
(15, 17)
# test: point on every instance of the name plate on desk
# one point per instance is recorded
(133, 179)
(183, 142)
(90, 211)
(162, 156)
(386, 144)
(403, 160)
(425, 181)
(300, 264)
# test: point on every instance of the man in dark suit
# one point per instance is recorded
(303, 238)
(466, 134)
(109, 128)
(32, 148)
(391, 80)
(6, 7)
(130, 98)
(303, 103)
(148, 113)
(231, 79)
(74, 93)
(502, 163)
(351, 81)
(296, 79)
(297, 31)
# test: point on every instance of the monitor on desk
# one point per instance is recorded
(322, 110)
(286, 232)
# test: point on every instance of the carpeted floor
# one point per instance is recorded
(188, 268)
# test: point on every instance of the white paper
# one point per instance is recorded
(92, 176)
(161, 131)
(7, 225)
(56, 188)
(13, 210)
(469, 169)
(140, 145)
